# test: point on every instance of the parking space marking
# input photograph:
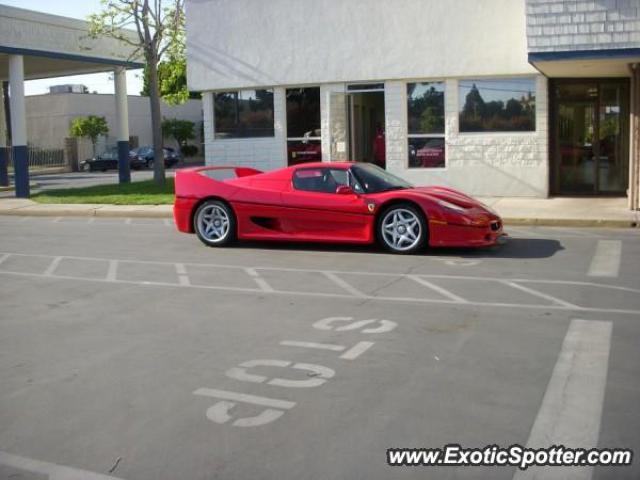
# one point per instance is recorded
(52, 266)
(166, 222)
(128, 221)
(351, 293)
(344, 284)
(539, 294)
(245, 398)
(3, 257)
(606, 260)
(183, 277)
(112, 272)
(57, 220)
(442, 291)
(261, 282)
(52, 471)
(572, 405)
(319, 346)
(357, 350)
(91, 220)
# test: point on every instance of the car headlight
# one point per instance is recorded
(451, 206)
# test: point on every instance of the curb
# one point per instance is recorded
(87, 212)
(570, 222)
(154, 212)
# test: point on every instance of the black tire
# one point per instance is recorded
(213, 234)
(150, 163)
(406, 228)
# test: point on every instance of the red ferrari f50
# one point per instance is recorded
(328, 202)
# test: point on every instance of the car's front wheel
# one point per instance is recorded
(402, 228)
(215, 224)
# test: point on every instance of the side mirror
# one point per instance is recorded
(344, 190)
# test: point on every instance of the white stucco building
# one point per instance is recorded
(499, 97)
(49, 118)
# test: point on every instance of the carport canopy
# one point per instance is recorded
(35, 45)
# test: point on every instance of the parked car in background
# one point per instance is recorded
(108, 160)
(145, 156)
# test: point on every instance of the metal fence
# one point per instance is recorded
(42, 158)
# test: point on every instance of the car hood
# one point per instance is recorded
(449, 195)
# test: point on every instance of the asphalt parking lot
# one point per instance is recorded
(130, 351)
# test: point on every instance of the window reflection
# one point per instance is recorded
(425, 107)
(497, 105)
(244, 114)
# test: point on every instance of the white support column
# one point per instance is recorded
(18, 125)
(122, 124)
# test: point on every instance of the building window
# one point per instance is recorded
(243, 114)
(425, 107)
(303, 125)
(498, 105)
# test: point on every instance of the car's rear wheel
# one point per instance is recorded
(215, 224)
(402, 228)
(150, 163)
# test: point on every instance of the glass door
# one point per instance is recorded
(589, 137)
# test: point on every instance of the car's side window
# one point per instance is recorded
(322, 180)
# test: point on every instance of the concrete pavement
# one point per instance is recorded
(132, 351)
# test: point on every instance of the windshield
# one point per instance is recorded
(374, 179)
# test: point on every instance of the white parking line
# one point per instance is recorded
(572, 405)
(606, 260)
(3, 257)
(52, 266)
(261, 282)
(127, 221)
(536, 293)
(52, 471)
(442, 291)
(357, 350)
(344, 284)
(245, 398)
(319, 346)
(266, 288)
(112, 273)
(183, 278)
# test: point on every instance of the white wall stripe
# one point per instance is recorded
(572, 405)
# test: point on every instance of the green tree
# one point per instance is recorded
(180, 130)
(91, 127)
(160, 36)
(172, 75)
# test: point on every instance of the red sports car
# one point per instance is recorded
(328, 202)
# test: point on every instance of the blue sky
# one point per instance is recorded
(99, 82)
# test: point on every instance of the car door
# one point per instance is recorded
(314, 210)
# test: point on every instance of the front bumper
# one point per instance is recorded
(444, 234)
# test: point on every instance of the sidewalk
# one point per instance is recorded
(564, 211)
